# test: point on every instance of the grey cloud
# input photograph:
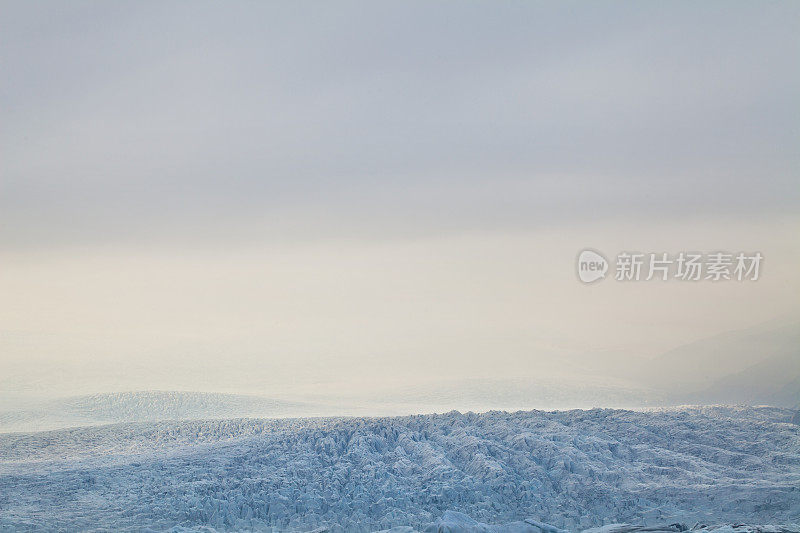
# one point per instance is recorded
(126, 115)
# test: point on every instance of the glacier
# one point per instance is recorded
(141, 406)
(711, 468)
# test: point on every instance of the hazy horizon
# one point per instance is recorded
(360, 197)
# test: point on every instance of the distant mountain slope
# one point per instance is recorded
(701, 362)
(143, 406)
(756, 365)
(773, 381)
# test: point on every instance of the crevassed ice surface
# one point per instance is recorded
(573, 469)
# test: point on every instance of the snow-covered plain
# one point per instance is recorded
(572, 469)
(142, 406)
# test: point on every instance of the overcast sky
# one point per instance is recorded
(349, 183)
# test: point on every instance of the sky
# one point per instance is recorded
(258, 196)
